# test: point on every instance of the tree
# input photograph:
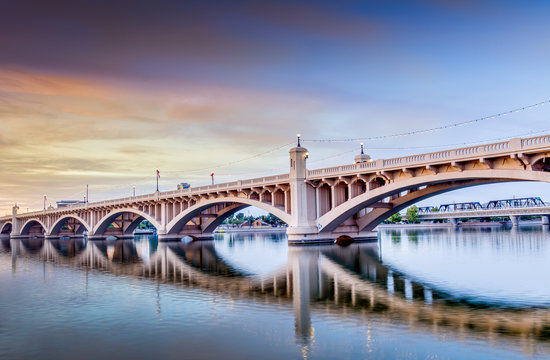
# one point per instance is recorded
(395, 218)
(412, 214)
(435, 209)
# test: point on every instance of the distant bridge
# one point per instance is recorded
(316, 204)
(511, 208)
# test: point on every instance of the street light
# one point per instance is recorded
(298, 135)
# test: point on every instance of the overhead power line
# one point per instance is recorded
(438, 128)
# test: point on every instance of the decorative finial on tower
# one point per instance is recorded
(298, 140)
(362, 157)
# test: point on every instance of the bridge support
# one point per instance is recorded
(197, 236)
(302, 199)
(454, 221)
(545, 220)
(514, 219)
(15, 222)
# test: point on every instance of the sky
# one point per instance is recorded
(105, 92)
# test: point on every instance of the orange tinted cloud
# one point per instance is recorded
(62, 131)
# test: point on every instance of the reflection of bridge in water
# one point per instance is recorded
(331, 280)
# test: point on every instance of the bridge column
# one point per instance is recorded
(454, 221)
(15, 222)
(302, 198)
(317, 202)
(514, 219)
(545, 220)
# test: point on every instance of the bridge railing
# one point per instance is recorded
(233, 185)
(492, 149)
(535, 141)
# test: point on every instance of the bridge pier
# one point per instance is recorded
(454, 221)
(58, 236)
(105, 236)
(545, 220)
(302, 199)
(171, 237)
(515, 220)
(330, 237)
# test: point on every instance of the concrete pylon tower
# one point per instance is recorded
(302, 196)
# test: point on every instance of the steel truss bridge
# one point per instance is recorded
(511, 208)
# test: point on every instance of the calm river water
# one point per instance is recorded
(414, 294)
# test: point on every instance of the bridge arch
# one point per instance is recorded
(445, 182)
(58, 225)
(32, 224)
(6, 228)
(541, 163)
(103, 223)
(238, 203)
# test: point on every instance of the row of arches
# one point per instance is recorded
(202, 217)
(339, 201)
(407, 192)
(333, 193)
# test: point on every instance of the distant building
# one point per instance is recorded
(183, 186)
(64, 203)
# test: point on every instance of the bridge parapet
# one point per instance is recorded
(459, 154)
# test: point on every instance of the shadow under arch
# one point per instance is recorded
(176, 225)
(33, 227)
(139, 216)
(435, 184)
(58, 225)
(6, 228)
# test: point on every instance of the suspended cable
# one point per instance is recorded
(438, 128)
(229, 163)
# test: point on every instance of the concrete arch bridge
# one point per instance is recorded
(317, 205)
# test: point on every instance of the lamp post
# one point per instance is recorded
(134, 191)
(158, 175)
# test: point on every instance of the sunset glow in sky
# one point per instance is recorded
(106, 92)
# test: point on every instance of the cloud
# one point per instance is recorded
(110, 91)
(57, 138)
